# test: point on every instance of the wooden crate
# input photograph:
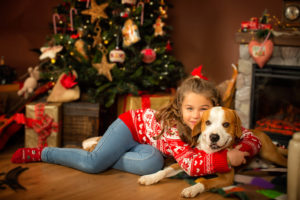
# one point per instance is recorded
(80, 121)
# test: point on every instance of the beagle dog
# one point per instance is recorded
(217, 130)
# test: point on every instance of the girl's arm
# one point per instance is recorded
(249, 143)
(196, 162)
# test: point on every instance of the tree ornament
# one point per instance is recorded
(96, 11)
(117, 55)
(131, 2)
(261, 52)
(50, 52)
(168, 46)
(104, 67)
(54, 16)
(149, 55)
(125, 13)
(130, 33)
(71, 17)
(142, 5)
(163, 12)
(97, 37)
(158, 27)
(80, 32)
(79, 46)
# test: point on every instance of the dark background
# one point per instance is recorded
(204, 31)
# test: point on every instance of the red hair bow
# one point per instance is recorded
(197, 72)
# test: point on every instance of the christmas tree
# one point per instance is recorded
(116, 47)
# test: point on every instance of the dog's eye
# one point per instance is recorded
(226, 124)
(208, 123)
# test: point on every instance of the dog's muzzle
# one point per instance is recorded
(214, 138)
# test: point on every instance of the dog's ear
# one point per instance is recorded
(238, 124)
(197, 129)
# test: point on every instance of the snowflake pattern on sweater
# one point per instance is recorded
(194, 162)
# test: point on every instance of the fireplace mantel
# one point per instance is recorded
(281, 38)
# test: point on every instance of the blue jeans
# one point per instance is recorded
(117, 149)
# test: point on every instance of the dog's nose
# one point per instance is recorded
(214, 137)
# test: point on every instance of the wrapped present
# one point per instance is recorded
(80, 121)
(43, 125)
(154, 101)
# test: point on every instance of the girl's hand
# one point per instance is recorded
(236, 157)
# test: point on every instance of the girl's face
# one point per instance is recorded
(192, 107)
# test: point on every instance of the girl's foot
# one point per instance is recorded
(25, 155)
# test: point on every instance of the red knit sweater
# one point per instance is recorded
(194, 162)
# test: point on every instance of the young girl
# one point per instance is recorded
(124, 144)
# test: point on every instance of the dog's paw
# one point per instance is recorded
(151, 178)
(193, 190)
(90, 143)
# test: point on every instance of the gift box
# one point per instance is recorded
(43, 125)
(154, 101)
(80, 121)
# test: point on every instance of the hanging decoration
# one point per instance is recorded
(71, 17)
(163, 9)
(54, 17)
(149, 55)
(158, 27)
(104, 67)
(130, 33)
(168, 46)
(261, 52)
(79, 46)
(142, 5)
(97, 37)
(131, 2)
(50, 52)
(87, 3)
(117, 55)
(96, 11)
(80, 32)
(125, 13)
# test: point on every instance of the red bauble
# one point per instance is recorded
(149, 55)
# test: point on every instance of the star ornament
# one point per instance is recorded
(50, 52)
(104, 67)
(96, 11)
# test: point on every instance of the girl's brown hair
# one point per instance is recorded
(171, 116)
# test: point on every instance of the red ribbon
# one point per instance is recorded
(146, 103)
(68, 80)
(145, 98)
(43, 124)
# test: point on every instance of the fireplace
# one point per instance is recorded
(265, 97)
(275, 101)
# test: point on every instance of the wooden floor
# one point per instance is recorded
(49, 181)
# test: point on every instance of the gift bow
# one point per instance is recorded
(43, 124)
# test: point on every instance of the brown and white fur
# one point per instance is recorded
(217, 130)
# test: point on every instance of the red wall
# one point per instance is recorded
(203, 31)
